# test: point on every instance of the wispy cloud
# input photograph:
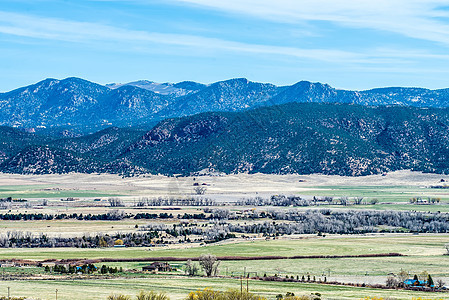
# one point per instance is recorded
(419, 19)
(93, 33)
(85, 32)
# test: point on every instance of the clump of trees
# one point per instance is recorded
(191, 268)
(19, 239)
(171, 201)
(283, 222)
(71, 269)
(283, 200)
(111, 270)
(116, 202)
(113, 215)
(421, 200)
(422, 280)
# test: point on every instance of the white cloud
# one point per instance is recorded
(420, 19)
(85, 32)
(94, 33)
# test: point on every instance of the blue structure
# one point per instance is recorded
(414, 282)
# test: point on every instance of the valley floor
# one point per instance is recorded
(90, 194)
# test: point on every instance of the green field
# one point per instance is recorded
(40, 191)
(382, 193)
(413, 245)
(179, 287)
(424, 252)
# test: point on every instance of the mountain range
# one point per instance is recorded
(304, 138)
(77, 103)
(74, 125)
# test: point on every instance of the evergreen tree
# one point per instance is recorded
(429, 281)
(104, 269)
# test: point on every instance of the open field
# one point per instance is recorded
(423, 252)
(407, 244)
(392, 191)
(395, 183)
(178, 287)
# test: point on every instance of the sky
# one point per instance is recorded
(349, 44)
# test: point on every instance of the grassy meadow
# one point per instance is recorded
(423, 252)
(178, 288)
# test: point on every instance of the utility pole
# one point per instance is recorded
(9, 297)
(241, 284)
(247, 283)
(56, 294)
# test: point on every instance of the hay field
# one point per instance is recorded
(179, 287)
(226, 187)
(424, 252)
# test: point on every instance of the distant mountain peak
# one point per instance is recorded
(76, 101)
(155, 87)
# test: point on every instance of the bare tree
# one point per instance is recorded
(423, 275)
(447, 248)
(329, 199)
(358, 200)
(200, 190)
(391, 282)
(440, 283)
(209, 264)
(115, 202)
(116, 214)
(343, 200)
(140, 203)
(402, 276)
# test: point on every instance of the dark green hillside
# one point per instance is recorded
(13, 140)
(105, 144)
(44, 159)
(301, 138)
(49, 160)
(343, 139)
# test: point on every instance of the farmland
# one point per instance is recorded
(65, 201)
(179, 287)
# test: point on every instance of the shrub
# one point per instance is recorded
(151, 296)
(118, 242)
(119, 297)
(209, 294)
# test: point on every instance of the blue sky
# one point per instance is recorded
(350, 44)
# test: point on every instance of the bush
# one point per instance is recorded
(151, 296)
(119, 297)
(209, 294)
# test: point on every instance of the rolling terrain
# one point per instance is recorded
(303, 138)
(75, 102)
